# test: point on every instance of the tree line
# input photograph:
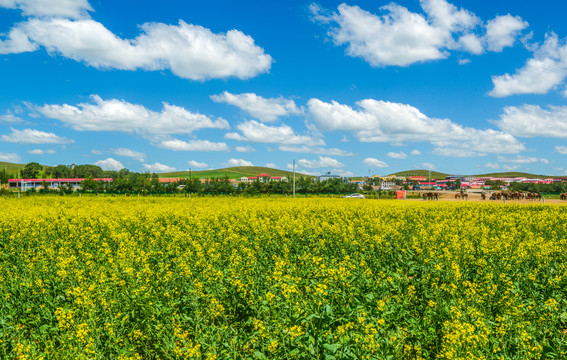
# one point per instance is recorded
(127, 182)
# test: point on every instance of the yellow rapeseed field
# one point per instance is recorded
(281, 278)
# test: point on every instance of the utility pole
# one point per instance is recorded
(293, 177)
(190, 174)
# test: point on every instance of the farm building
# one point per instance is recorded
(27, 184)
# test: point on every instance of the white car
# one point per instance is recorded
(355, 196)
(385, 188)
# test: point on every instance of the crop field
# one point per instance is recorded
(277, 278)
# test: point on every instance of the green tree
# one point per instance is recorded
(32, 170)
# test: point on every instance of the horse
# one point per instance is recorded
(563, 196)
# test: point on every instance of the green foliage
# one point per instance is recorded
(32, 170)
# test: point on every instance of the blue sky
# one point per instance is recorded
(355, 88)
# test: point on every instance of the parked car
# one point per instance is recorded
(355, 196)
(385, 188)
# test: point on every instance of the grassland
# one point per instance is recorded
(233, 173)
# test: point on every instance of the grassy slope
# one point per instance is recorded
(438, 175)
(514, 174)
(434, 174)
(233, 173)
(11, 167)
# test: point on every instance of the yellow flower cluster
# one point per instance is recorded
(281, 278)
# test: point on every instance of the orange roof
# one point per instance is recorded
(263, 175)
(168, 180)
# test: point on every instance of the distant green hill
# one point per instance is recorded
(434, 174)
(438, 175)
(233, 173)
(514, 174)
(11, 167)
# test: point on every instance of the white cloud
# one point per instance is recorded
(395, 155)
(255, 131)
(140, 156)
(533, 121)
(65, 8)
(110, 164)
(238, 162)
(96, 152)
(492, 165)
(315, 150)
(157, 167)
(523, 160)
(244, 149)
(382, 121)
(263, 109)
(464, 61)
(561, 149)
(322, 162)
(510, 167)
(9, 118)
(400, 37)
(193, 145)
(375, 163)
(428, 166)
(32, 136)
(415, 152)
(502, 31)
(189, 51)
(271, 165)
(196, 164)
(543, 72)
(41, 152)
(9, 157)
(119, 115)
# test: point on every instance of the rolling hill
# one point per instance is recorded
(233, 173)
(434, 174)
(439, 175)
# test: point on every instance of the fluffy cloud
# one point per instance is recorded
(110, 164)
(157, 167)
(561, 149)
(189, 51)
(543, 72)
(41, 152)
(271, 165)
(32, 136)
(255, 131)
(415, 152)
(193, 145)
(119, 115)
(401, 37)
(9, 118)
(322, 162)
(315, 150)
(492, 165)
(428, 166)
(196, 164)
(65, 8)
(140, 156)
(395, 155)
(383, 121)
(244, 149)
(9, 157)
(238, 162)
(374, 163)
(266, 110)
(502, 31)
(533, 121)
(523, 160)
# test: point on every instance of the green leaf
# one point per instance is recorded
(332, 347)
(260, 355)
